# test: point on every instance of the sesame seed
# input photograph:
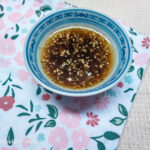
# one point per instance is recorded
(77, 58)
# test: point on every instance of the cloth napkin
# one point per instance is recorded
(33, 118)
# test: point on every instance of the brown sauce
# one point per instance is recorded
(77, 58)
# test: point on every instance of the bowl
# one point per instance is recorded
(77, 17)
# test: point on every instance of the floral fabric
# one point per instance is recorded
(34, 118)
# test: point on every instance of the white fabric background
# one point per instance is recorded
(136, 14)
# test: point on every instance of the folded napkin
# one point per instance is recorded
(34, 118)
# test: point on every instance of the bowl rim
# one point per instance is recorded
(85, 93)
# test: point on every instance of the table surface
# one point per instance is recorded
(137, 15)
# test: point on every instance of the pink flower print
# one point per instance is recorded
(58, 138)
(61, 5)
(15, 17)
(7, 46)
(45, 97)
(141, 59)
(58, 97)
(70, 117)
(120, 84)
(2, 24)
(29, 13)
(101, 103)
(120, 21)
(26, 142)
(23, 22)
(81, 101)
(146, 43)
(7, 30)
(22, 41)
(80, 139)
(23, 75)
(33, 81)
(38, 3)
(4, 63)
(19, 59)
(18, 6)
(6, 102)
(8, 148)
(93, 119)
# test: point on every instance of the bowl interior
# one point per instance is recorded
(77, 18)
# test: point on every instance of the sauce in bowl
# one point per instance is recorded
(77, 58)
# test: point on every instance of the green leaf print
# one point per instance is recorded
(37, 121)
(70, 148)
(132, 32)
(38, 126)
(23, 2)
(69, 4)
(1, 8)
(29, 130)
(50, 123)
(140, 73)
(100, 146)
(133, 97)
(13, 93)
(45, 8)
(31, 106)
(131, 69)
(14, 37)
(131, 41)
(109, 135)
(10, 137)
(117, 121)
(22, 107)
(97, 137)
(122, 110)
(16, 86)
(6, 36)
(32, 120)
(7, 91)
(23, 114)
(8, 79)
(1, 15)
(17, 27)
(133, 48)
(53, 112)
(38, 91)
(10, 88)
(129, 89)
(38, 13)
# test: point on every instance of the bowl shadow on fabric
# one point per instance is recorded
(82, 104)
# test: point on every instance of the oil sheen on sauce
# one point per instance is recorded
(77, 58)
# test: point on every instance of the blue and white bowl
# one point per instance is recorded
(78, 18)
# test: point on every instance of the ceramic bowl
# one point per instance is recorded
(78, 18)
